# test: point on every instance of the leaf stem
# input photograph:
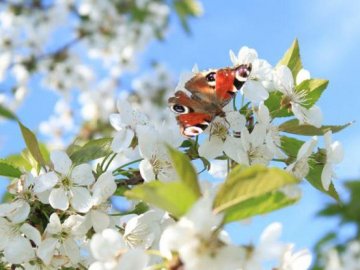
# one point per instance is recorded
(127, 164)
(103, 161)
(111, 159)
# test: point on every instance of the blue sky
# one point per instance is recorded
(329, 37)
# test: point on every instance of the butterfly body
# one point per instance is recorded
(205, 96)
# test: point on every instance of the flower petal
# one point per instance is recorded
(19, 211)
(263, 114)
(62, 162)
(19, 250)
(31, 233)
(46, 250)
(72, 250)
(45, 182)
(337, 152)
(234, 149)
(218, 168)
(302, 76)
(255, 91)
(58, 199)
(115, 121)
(122, 140)
(82, 175)
(103, 188)
(105, 245)
(306, 149)
(99, 220)
(211, 148)
(81, 199)
(246, 55)
(135, 259)
(285, 79)
(146, 170)
(236, 120)
(326, 176)
(54, 226)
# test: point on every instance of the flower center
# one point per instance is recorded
(159, 165)
(219, 130)
(66, 182)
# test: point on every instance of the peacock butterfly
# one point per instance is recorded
(205, 96)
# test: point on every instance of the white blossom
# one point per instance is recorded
(221, 135)
(195, 239)
(300, 260)
(110, 253)
(125, 122)
(269, 248)
(152, 143)
(60, 241)
(272, 139)
(297, 100)
(251, 148)
(15, 241)
(300, 167)
(334, 155)
(255, 87)
(143, 231)
(68, 185)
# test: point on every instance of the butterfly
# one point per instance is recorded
(205, 96)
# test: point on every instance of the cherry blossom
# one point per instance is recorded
(60, 241)
(297, 99)
(195, 238)
(221, 135)
(255, 87)
(68, 185)
(110, 252)
(300, 167)
(334, 155)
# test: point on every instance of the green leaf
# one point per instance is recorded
(6, 113)
(32, 144)
(312, 89)
(120, 190)
(9, 170)
(185, 170)
(246, 183)
(186, 9)
(45, 152)
(266, 203)
(292, 126)
(92, 150)
(6, 198)
(174, 197)
(139, 209)
(331, 210)
(292, 58)
(19, 161)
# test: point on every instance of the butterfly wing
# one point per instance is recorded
(193, 115)
(209, 92)
(218, 86)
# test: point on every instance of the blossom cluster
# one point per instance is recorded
(60, 213)
(62, 208)
(100, 41)
(62, 218)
